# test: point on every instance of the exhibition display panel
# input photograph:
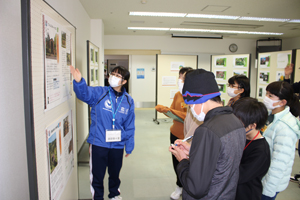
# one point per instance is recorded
(226, 66)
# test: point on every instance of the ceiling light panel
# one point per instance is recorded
(149, 28)
(295, 20)
(212, 16)
(157, 14)
(263, 19)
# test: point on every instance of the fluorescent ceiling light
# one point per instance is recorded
(207, 16)
(212, 16)
(263, 19)
(295, 20)
(149, 28)
(224, 31)
(157, 14)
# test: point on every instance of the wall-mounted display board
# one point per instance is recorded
(54, 112)
(226, 66)
(167, 73)
(92, 71)
(92, 64)
(270, 68)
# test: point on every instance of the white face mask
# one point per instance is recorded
(180, 85)
(199, 117)
(230, 92)
(269, 103)
(114, 81)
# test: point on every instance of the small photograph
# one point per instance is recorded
(96, 56)
(92, 55)
(264, 77)
(221, 61)
(240, 62)
(222, 88)
(66, 126)
(221, 75)
(240, 73)
(55, 83)
(96, 75)
(71, 145)
(280, 75)
(68, 59)
(92, 75)
(51, 46)
(63, 39)
(261, 92)
(264, 61)
(52, 152)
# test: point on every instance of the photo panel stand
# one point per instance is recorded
(167, 73)
(226, 66)
(270, 68)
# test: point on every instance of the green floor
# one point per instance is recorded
(148, 173)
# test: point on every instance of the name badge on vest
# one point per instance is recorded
(113, 135)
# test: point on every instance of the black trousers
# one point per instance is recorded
(100, 158)
(174, 160)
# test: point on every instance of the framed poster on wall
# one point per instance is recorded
(92, 64)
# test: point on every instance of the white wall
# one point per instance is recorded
(187, 46)
(292, 43)
(143, 90)
(13, 159)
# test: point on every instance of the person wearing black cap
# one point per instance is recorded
(209, 168)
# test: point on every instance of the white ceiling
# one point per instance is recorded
(116, 19)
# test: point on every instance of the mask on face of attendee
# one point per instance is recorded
(199, 117)
(114, 81)
(230, 92)
(269, 103)
(180, 85)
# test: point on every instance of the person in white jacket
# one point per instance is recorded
(282, 132)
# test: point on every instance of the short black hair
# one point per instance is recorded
(243, 82)
(123, 71)
(250, 111)
(284, 90)
(184, 69)
(216, 99)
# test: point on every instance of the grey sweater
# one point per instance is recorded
(212, 170)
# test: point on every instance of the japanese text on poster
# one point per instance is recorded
(60, 154)
(57, 59)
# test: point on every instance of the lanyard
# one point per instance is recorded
(112, 108)
(251, 141)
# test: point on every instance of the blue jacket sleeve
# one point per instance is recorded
(129, 127)
(87, 94)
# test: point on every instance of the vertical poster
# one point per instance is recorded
(140, 73)
(57, 59)
(60, 153)
(283, 59)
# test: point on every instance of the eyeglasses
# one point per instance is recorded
(233, 86)
(116, 75)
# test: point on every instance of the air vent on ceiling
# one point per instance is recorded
(220, 25)
(178, 35)
(136, 22)
(212, 8)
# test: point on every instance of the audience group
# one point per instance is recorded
(244, 150)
